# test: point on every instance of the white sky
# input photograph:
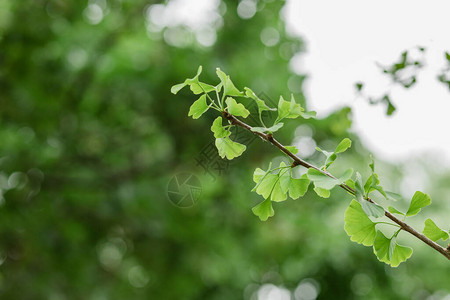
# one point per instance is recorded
(345, 39)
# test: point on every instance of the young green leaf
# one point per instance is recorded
(258, 175)
(343, 145)
(291, 149)
(285, 178)
(308, 114)
(228, 87)
(266, 185)
(198, 108)
(264, 210)
(372, 209)
(289, 110)
(331, 156)
(389, 252)
(229, 149)
(321, 180)
(298, 187)
(358, 226)
(371, 183)
(277, 193)
(432, 231)
(236, 109)
(418, 201)
(177, 87)
(218, 130)
(324, 193)
(359, 191)
(200, 87)
(393, 210)
(323, 183)
(262, 106)
(393, 196)
(268, 129)
(196, 86)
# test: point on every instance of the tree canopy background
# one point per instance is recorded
(90, 137)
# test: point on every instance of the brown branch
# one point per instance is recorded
(300, 162)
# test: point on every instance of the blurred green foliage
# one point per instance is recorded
(91, 135)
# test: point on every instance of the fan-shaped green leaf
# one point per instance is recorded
(218, 130)
(198, 108)
(343, 145)
(418, 201)
(389, 252)
(266, 185)
(229, 149)
(236, 109)
(298, 187)
(228, 87)
(358, 226)
(264, 129)
(432, 231)
(263, 210)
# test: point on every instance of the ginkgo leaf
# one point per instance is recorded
(228, 87)
(343, 145)
(264, 210)
(278, 194)
(195, 85)
(200, 87)
(321, 180)
(218, 130)
(177, 87)
(418, 201)
(359, 191)
(229, 149)
(324, 193)
(267, 129)
(371, 183)
(289, 110)
(308, 114)
(236, 109)
(358, 225)
(266, 185)
(198, 108)
(291, 149)
(432, 231)
(393, 210)
(331, 156)
(393, 196)
(389, 252)
(262, 106)
(285, 178)
(258, 174)
(372, 209)
(298, 187)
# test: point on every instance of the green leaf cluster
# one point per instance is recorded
(362, 231)
(275, 185)
(331, 156)
(324, 183)
(226, 147)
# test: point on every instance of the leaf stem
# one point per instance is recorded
(387, 223)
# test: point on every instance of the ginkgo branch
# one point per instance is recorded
(297, 161)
